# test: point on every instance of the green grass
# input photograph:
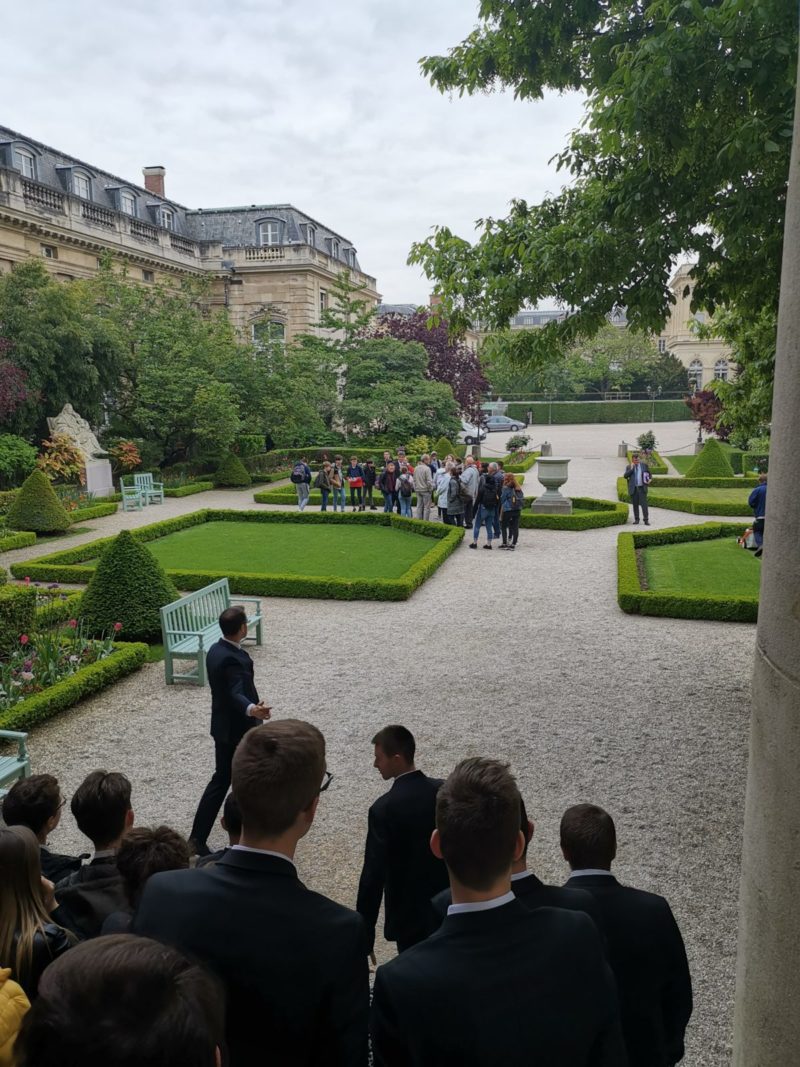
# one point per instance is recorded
(334, 550)
(702, 495)
(681, 463)
(716, 568)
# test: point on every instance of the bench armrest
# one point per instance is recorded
(246, 600)
(13, 735)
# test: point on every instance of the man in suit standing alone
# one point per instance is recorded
(637, 475)
(235, 709)
(645, 947)
(398, 862)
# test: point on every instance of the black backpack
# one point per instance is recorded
(489, 495)
(406, 487)
(298, 473)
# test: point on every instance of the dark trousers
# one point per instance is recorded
(469, 513)
(215, 792)
(355, 496)
(639, 499)
(509, 524)
(368, 496)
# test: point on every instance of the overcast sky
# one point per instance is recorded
(317, 104)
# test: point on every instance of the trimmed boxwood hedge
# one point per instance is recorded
(57, 611)
(655, 463)
(711, 462)
(65, 566)
(17, 540)
(635, 600)
(94, 511)
(601, 513)
(17, 615)
(519, 468)
(755, 461)
(125, 659)
(36, 507)
(563, 412)
(693, 507)
(189, 489)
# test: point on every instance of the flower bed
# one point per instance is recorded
(655, 463)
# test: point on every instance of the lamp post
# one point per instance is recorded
(654, 393)
(550, 396)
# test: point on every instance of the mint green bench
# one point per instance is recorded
(151, 492)
(190, 626)
(14, 767)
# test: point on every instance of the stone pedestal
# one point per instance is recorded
(99, 481)
(552, 473)
(546, 449)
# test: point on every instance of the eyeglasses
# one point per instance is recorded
(325, 782)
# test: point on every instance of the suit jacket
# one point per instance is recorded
(233, 690)
(294, 963)
(506, 986)
(629, 474)
(398, 861)
(646, 953)
(534, 893)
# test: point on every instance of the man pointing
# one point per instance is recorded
(235, 709)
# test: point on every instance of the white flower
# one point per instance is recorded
(27, 676)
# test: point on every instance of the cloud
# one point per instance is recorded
(260, 101)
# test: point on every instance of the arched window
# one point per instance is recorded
(167, 218)
(721, 370)
(25, 162)
(269, 232)
(127, 203)
(269, 336)
(81, 185)
(310, 234)
(696, 373)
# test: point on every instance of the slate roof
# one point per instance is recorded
(406, 310)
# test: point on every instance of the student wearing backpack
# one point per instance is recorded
(301, 478)
(512, 502)
(388, 486)
(405, 491)
(370, 478)
(337, 483)
(487, 508)
(355, 479)
(455, 499)
(323, 483)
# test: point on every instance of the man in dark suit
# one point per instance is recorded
(637, 475)
(645, 947)
(235, 709)
(532, 891)
(497, 983)
(294, 963)
(398, 862)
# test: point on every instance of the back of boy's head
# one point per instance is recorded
(100, 806)
(32, 802)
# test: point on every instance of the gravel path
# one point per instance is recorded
(647, 717)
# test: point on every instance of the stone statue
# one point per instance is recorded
(78, 430)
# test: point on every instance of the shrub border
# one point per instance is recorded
(20, 539)
(655, 463)
(126, 658)
(605, 513)
(64, 566)
(635, 600)
(693, 507)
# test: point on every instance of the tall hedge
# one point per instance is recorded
(36, 507)
(711, 462)
(565, 412)
(232, 473)
(17, 615)
(444, 447)
(128, 586)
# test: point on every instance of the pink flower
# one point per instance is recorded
(24, 639)
(73, 623)
(27, 676)
(117, 627)
(27, 580)
(26, 666)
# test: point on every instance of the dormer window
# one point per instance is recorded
(269, 232)
(81, 185)
(309, 234)
(167, 218)
(127, 203)
(333, 248)
(24, 162)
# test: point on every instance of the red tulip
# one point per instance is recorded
(24, 639)
(117, 627)
(73, 623)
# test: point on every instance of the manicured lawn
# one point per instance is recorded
(717, 567)
(716, 496)
(682, 463)
(331, 550)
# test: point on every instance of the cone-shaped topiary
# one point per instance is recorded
(37, 508)
(128, 586)
(711, 462)
(444, 447)
(231, 472)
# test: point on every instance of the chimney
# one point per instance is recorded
(154, 180)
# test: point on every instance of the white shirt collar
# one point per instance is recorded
(520, 874)
(234, 643)
(481, 905)
(404, 774)
(590, 870)
(264, 852)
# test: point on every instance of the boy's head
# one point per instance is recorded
(102, 808)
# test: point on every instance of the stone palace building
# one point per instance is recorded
(271, 266)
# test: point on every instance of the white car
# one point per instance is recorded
(472, 435)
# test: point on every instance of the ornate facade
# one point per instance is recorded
(705, 360)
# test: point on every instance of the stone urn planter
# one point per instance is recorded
(552, 473)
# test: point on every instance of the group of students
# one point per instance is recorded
(136, 958)
(476, 494)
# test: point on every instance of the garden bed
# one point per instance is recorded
(713, 584)
(655, 463)
(436, 543)
(587, 514)
(723, 496)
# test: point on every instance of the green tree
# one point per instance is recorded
(348, 314)
(684, 150)
(215, 417)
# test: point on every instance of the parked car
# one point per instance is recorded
(501, 422)
(472, 435)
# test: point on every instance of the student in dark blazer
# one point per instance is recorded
(235, 709)
(497, 983)
(398, 862)
(532, 891)
(637, 475)
(645, 947)
(294, 964)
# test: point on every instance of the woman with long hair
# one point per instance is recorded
(29, 940)
(512, 501)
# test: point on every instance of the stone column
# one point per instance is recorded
(767, 1019)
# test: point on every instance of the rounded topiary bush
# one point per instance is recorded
(444, 447)
(711, 462)
(37, 508)
(128, 586)
(231, 473)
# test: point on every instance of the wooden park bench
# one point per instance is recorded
(190, 626)
(151, 492)
(131, 497)
(14, 767)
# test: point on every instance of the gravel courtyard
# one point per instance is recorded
(521, 656)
